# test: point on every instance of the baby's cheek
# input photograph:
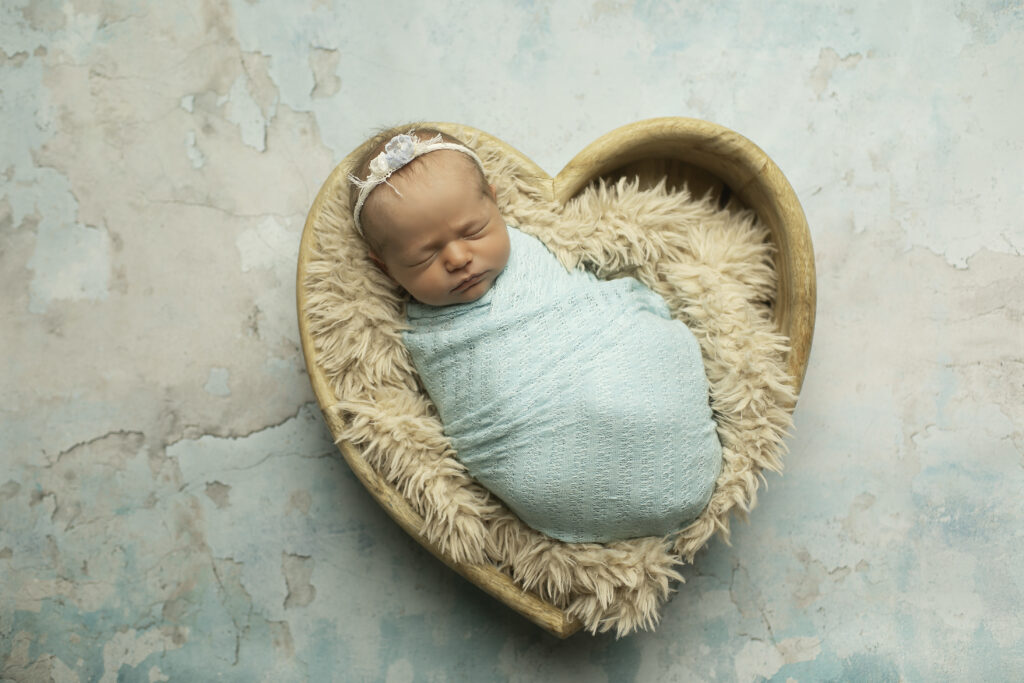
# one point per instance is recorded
(430, 283)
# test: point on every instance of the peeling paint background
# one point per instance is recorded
(171, 504)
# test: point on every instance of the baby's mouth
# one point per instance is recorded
(469, 282)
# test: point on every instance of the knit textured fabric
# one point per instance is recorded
(579, 402)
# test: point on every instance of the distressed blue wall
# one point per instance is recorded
(171, 504)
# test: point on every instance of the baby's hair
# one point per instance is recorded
(376, 146)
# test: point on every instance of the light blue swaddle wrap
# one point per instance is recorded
(579, 402)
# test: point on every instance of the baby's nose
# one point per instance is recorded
(457, 256)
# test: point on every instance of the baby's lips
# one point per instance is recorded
(471, 278)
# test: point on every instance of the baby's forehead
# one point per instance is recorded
(419, 174)
(423, 171)
(440, 163)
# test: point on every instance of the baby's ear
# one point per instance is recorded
(378, 262)
(494, 192)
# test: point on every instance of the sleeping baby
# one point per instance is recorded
(579, 402)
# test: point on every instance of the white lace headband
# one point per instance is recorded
(399, 151)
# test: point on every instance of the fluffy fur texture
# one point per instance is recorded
(713, 267)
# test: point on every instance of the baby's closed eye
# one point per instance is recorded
(424, 261)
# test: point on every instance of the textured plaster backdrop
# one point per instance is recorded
(171, 504)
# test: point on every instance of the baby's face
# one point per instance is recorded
(443, 238)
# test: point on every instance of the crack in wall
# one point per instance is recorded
(297, 571)
(196, 434)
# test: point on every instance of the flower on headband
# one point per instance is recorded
(379, 167)
(399, 151)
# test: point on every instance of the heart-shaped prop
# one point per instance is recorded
(700, 154)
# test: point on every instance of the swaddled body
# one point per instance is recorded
(579, 402)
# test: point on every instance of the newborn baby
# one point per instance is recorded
(579, 402)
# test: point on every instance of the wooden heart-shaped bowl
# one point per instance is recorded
(703, 155)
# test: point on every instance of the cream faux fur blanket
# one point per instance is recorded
(714, 269)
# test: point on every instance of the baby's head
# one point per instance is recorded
(429, 217)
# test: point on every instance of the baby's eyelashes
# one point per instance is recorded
(424, 262)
